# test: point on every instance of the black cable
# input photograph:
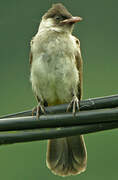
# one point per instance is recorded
(36, 135)
(56, 123)
(60, 120)
(93, 103)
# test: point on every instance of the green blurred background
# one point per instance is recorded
(98, 34)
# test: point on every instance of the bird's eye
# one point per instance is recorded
(60, 18)
(57, 17)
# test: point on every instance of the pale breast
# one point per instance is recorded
(54, 75)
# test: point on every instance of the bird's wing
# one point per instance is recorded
(30, 62)
(30, 58)
(79, 64)
(30, 54)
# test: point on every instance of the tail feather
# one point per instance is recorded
(67, 156)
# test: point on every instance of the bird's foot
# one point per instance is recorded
(74, 105)
(39, 109)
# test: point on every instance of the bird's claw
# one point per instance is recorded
(39, 109)
(74, 104)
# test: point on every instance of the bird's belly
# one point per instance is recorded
(54, 80)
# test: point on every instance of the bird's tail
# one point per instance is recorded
(67, 156)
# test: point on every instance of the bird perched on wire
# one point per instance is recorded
(56, 77)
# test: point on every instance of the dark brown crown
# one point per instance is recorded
(59, 10)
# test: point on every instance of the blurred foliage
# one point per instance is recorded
(98, 33)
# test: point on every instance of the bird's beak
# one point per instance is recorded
(71, 20)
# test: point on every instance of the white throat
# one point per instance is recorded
(48, 24)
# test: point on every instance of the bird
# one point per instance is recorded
(56, 68)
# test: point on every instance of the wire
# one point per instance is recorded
(36, 135)
(95, 115)
(93, 103)
(60, 120)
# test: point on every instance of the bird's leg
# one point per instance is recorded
(40, 108)
(74, 104)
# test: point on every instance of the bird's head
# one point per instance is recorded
(59, 19)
